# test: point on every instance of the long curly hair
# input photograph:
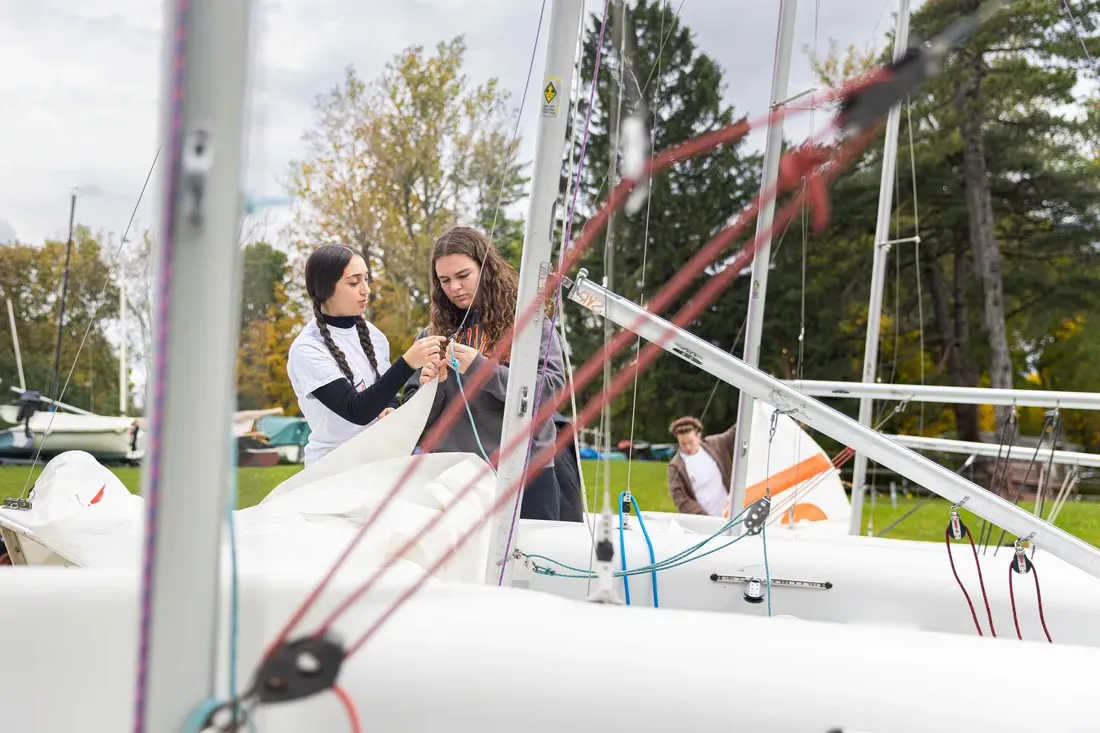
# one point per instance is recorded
(497, 289)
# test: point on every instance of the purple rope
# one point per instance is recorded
(160, 358)
(566, 243)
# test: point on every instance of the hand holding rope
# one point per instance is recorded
(863, 106)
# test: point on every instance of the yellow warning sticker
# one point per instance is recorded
(551, 96)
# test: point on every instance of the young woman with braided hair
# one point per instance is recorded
(473, 300)
(339, 364)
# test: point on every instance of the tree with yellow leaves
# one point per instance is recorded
(395, 162)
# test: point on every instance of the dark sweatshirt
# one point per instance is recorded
(487, 405)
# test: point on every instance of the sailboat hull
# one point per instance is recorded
(498, 659)
(827, 577)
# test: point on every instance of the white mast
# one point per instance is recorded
(950, 395)
(840, 427)
(535, 265)
(755, 323)
(878, 272)
(191, 384)
(123, 371)
(15, 343)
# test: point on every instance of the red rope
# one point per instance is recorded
(349, 708)
(714, 287)
(801, 165)
(951, 559)
(981, 581)
(1038, 598)
(454, 410)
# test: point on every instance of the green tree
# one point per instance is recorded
(264, 269)
(394, 163)
(31, 277)
(270, 320)
(1038, 157)
(682, 88)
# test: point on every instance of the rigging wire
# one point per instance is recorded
(858, 128)
(540, 379)
(1077, 32)
(645, 246)
(1053, 424)
(614, 171)
(504, 165)
(827, 169)
(916, 247)
(562, 325)
(859, 122)
(745, 320)
(91, 322)
(1008, 432)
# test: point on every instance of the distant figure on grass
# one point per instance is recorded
(473, 300)
(339, 364)
(699, 473)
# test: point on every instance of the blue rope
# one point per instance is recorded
(767, 569)
(198, 718)
(680, 558)
(622, 552)
(473, 426)
(649, 542)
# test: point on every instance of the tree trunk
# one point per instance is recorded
(983, 239)
(951, 328)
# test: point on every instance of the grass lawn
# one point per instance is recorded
(648, 484)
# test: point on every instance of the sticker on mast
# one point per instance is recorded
(551, 96)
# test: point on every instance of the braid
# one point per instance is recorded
(333, 349)
(368, 345)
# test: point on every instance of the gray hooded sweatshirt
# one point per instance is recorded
(487, 405)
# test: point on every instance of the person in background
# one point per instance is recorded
(339, 365)
(699, 473)
(473, 300)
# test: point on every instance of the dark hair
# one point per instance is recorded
(685, 425)
(324, 268)
(497, 288)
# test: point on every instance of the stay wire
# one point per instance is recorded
(659, 162)
(541, 375)
(91, 322)
(504, 164)
(645, 244)
(828, 172)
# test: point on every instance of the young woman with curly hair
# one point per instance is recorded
(339, 364)
(473, 300)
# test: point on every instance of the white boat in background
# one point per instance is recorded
(111, 439)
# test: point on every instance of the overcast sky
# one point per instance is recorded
(80, 91)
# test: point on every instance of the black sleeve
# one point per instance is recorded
(362, 407)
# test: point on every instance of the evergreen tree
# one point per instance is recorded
(1038, 152)
(681, 92)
